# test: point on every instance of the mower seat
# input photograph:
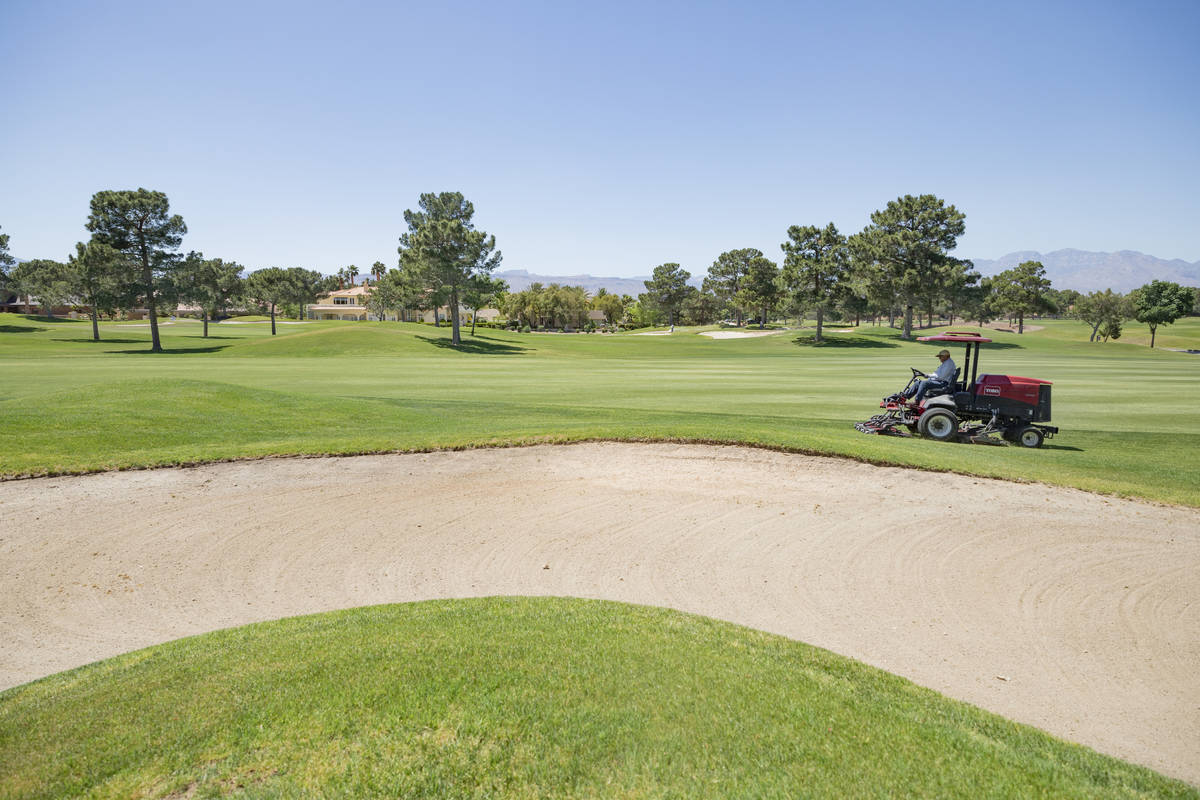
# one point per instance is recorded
(951, 388)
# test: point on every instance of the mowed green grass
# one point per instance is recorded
(520, 698)
(1130, 423)
(524, 698)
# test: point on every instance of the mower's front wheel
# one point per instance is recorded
(939, 424)
(1030, 437)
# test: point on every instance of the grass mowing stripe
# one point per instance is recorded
(521, 697)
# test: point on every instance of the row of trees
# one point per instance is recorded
(555, 305)
(1156, 303)
(899, 264)
(132, 261)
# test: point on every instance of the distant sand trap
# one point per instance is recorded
(1004, 327)
(1070, 611)
(738, 334)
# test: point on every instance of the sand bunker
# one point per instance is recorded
(738, 334)
(1072, 612)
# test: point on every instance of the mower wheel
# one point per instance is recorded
(939, 424)
(1030, 437)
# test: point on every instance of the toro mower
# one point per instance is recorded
(974, 410)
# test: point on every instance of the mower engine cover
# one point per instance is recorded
(1031, 392)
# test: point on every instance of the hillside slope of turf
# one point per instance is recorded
(520, 698)
(1129, 422)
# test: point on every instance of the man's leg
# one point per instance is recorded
(926, 385)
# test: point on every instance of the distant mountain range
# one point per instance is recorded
(1067, 269)
(1086, 272)
(519, 280)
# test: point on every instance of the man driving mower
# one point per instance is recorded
(938, 407)
(940, 382)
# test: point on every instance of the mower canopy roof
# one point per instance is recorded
(954, 336)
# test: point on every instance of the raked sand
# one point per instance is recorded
(1073, 612)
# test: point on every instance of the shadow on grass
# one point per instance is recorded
(894, 336)
(1048, 446)
(477, 344)
(102, 340)
(841, 341)
(51, 320)
(984, 348)
(20, 329)
(174, 351)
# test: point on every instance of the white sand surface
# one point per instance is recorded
(1003, 325)
(1076, 613)
(738, 334)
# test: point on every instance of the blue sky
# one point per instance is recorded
(602, 138)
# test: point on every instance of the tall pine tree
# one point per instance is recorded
(816, 267)
(140, 225)
(443, 252)
(909, 241)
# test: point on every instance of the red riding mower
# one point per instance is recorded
(972, 410)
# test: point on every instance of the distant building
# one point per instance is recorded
(13, 303)
(351, 304)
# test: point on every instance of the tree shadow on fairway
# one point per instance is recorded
(43, 320)
(100, 342)
(893, 339)
(841, 341)
(993, 345)
(478, 345)
(174, 351)
(20, 329)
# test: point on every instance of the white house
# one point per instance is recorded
(351, 304)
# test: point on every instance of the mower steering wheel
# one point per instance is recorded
(917, 373)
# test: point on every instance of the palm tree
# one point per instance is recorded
(378, 270)
(341, 275)
(352, 271)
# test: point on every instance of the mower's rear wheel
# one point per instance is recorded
(939, 424)
(1030, 437)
